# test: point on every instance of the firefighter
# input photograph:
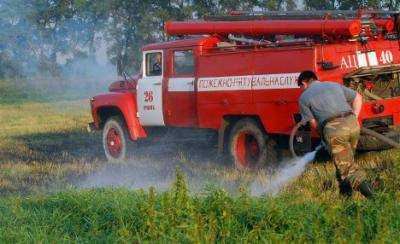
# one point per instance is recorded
(333, 109)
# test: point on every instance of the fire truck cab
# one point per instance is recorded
(239, 78)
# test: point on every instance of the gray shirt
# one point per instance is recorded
(324, 100)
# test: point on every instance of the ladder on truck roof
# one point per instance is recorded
(317, 14)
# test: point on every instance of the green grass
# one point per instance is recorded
(45, 151)
(17, 91)
(44, 144)
(119, 215)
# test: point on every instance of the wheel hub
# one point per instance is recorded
(114, 142)
(247, 149)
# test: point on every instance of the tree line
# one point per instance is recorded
(35, 35)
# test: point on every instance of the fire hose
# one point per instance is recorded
(364, 130)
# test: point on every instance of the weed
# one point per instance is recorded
(123, 215)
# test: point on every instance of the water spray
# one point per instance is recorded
(291, 170)
(297, 165)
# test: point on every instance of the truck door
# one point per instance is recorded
(180, 102)
(149, 89)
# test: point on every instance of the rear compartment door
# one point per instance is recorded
(149, 89)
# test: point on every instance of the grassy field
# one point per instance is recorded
(55, 186)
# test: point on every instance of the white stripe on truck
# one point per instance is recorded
(248, 82)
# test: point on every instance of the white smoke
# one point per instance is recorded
(155, 166)
(142, 174)
(290, 171)
(130, 175)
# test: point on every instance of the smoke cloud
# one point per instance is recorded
(155, 165)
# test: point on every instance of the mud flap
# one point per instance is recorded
(136, 130)
(221, 136)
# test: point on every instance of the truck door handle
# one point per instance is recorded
(157, 84)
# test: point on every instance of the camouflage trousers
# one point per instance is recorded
(341, 137)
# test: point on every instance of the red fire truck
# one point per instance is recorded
(237, 75)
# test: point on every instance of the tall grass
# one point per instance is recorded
(120, 215)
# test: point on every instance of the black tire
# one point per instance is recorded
(115, 139)
(250, 147)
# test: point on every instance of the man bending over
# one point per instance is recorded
(334, 109)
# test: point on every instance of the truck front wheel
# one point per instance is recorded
(249, 146)
(115, 139)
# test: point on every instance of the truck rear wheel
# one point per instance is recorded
(250, 147)
(115, 139)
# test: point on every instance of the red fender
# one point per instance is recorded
(126, 103)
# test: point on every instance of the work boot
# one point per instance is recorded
(365, 189)
(345, 188)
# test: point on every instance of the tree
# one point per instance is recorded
(37, 34)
